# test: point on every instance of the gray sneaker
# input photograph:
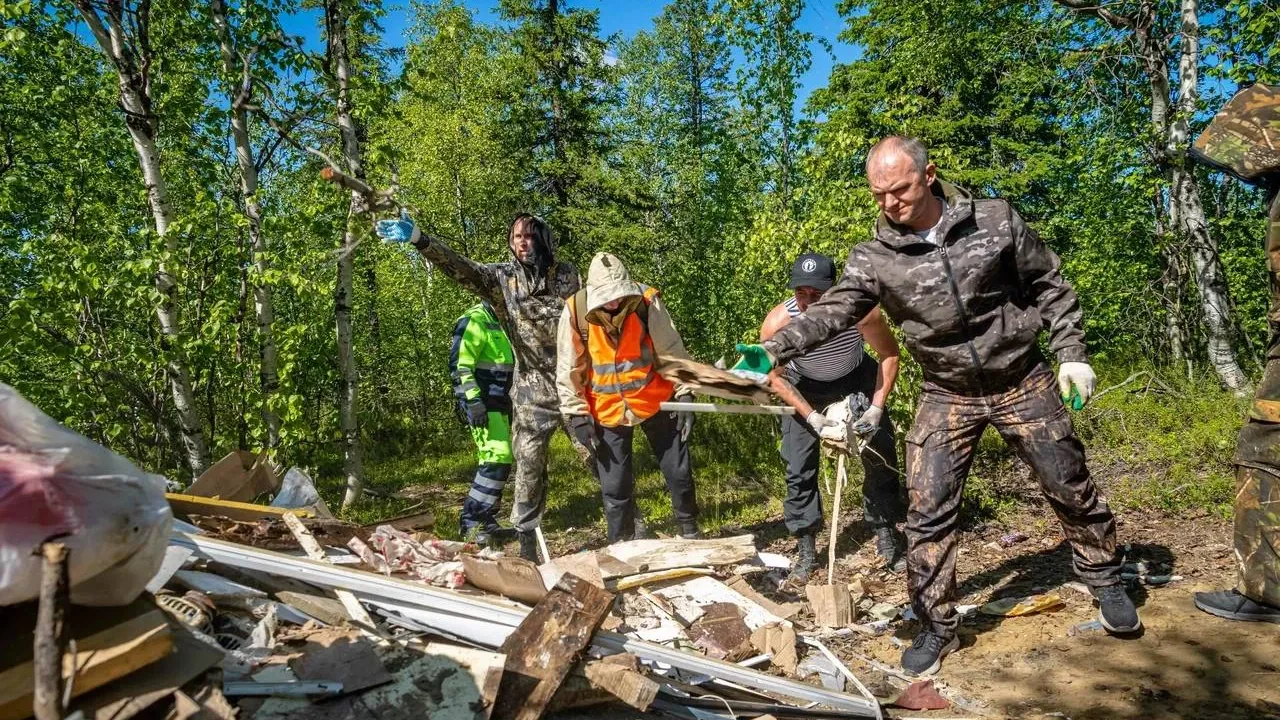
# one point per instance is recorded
(1116, 610)
(927, 650)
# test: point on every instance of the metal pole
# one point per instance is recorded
(724, 409)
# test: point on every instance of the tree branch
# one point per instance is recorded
(1098, 10)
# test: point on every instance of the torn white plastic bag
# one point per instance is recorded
(54, 481)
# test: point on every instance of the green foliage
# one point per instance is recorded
(681, 149)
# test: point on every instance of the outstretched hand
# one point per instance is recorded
(402, 230)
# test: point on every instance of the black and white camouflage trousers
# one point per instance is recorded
(940, 448)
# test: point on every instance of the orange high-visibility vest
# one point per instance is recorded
(623, 377)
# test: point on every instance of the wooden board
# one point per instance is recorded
(641, 556)
(740, 585)
(188, 505)
(99, 659)
(545, 646)
(315, 552)
(710, 380)
(129, 696)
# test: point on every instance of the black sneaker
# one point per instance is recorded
(1230, 604)
(494, 536)
(924, 657)
(689, 530)
(1116, 610)
(528, 546)
(892, 548)
(642, 531)
(806, 558)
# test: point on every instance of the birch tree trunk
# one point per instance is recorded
(268, 374)
(1186, 212)
(1184, 194)
(348, 417)
(132, 60)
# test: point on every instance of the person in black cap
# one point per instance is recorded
(836, 370)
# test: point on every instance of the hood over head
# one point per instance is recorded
(544, 245)
(607, 280)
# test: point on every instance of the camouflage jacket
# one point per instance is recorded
(528, 306)
(970, 307)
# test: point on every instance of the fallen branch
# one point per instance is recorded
(51, 631)
(1121, 384)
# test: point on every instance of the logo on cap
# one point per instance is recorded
(809, 265)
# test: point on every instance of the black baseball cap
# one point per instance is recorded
(813, 270)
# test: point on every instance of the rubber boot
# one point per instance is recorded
(529, 546)
(806, 558)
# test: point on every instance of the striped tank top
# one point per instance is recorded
(831, 360)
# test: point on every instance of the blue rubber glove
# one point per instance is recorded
(399, 231)
(755, 359)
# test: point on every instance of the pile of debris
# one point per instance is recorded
(276, 610)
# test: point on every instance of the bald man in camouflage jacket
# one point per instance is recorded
(971, 286)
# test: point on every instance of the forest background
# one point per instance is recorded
(178, 280)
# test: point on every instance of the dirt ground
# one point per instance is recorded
(1186, 664)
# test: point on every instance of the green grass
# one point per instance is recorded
(1164, 444)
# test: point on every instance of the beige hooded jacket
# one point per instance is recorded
(607, 280)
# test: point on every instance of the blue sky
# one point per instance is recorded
(623, 18)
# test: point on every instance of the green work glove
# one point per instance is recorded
(755, 359)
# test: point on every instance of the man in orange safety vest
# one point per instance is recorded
(613, 335)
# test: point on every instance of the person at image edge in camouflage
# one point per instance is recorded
(527, 295)
(1244, 140)
(971, 286)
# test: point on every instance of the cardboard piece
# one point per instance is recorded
(690, 598)
(508, 576)
(832, 605)
(624, 683)
(778, 640)
(240, 476)
(585, 565)
(339, 655)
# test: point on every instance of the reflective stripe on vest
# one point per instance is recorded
(623, 377)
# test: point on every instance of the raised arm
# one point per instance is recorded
(474, 276)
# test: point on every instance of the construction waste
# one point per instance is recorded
(218, 604)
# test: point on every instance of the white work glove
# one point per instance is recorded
(1081, 376)
(869, 421)
(818, 421)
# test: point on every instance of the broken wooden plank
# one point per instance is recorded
(641, 556)
(691, 597)
(739, 584)
(98, 659)
(326, 610)
(357, 612)
(130, 696)
(545, 646)
(409, 522)
(187, 505)
(635, 581)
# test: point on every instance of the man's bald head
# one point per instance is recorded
(899, 148)
(901, 176)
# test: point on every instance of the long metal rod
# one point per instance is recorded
(613, 643)
(727, 409)
(489, 623)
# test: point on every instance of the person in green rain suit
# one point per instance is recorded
(482, 365)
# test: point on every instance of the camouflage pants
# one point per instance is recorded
(1257, 507)
(940, 447)
(531, 430)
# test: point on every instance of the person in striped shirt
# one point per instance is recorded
(839, 368)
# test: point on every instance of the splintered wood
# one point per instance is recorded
(545, 646)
